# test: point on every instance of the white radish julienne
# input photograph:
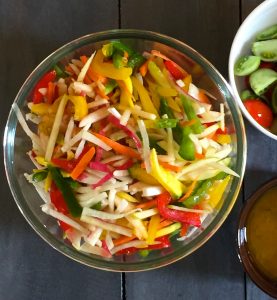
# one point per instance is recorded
(104, 215)
(95, 140)
(107, 226)
(94, 117)
(55, 128)
(146, 147)
(85, 68)
(61, 217)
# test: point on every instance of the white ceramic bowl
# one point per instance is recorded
(260, 18)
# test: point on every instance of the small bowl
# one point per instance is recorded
(254, 273)
(16, 144)
(260, 18)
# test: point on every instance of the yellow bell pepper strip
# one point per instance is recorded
(41, 161)
(117, 147)
(41, 109)
(107, 69)
(80, 107)
(140, 174)
(173, 104)
(187, 81)
(82, 164)
(216, 193)
(157, 74)
(127, 197)
(145, 99)
(167, 230)
(48, 182)
(126, 89)
(166, 91)
(190, 218)
(222, 138)
(153, 228)
(165, 178)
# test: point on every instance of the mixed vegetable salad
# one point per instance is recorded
(127, 150)
(260, 73)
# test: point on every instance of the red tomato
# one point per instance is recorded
(174, 69)
(259, 111)
(266, 65)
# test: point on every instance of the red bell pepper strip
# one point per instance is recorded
(43, 83)
(174, 69)
(129, 132)
(129, 250)
(64, 164)
(69, 165)
(57, 199)
(59, 203)
(175, 215)
(164, 243)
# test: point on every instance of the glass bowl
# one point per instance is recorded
(16, 144)
(260, 18)
(264, 283)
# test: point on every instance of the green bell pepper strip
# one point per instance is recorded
(135, 60)
(197, 127)
(72, 204)
(60, 73)
(199, 194)
(166, 110)
(201, 191)
(118, 60)
(187, 148)
(39, 176)
(110, 86)
(117, 45)
(157, 74)
(166, 123)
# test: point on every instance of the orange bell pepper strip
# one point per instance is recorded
(80, 167)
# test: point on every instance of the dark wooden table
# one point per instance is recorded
(31, 269)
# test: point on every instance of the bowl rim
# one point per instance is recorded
(253, 15)
(254, 273)
(218, 219)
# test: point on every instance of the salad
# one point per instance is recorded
(260, 72)
(128, 152)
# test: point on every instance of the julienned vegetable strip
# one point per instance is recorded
(129, 153)
(78, 170)
(69, 196)
(118, 147)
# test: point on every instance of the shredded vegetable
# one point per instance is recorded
(127, 150)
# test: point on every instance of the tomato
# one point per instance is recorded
(267, 65)
(259, 111)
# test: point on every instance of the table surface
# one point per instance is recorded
(30, 268)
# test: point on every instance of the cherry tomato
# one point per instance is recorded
(267, 65)
(259, 111)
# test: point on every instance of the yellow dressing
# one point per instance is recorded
(262, 233)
